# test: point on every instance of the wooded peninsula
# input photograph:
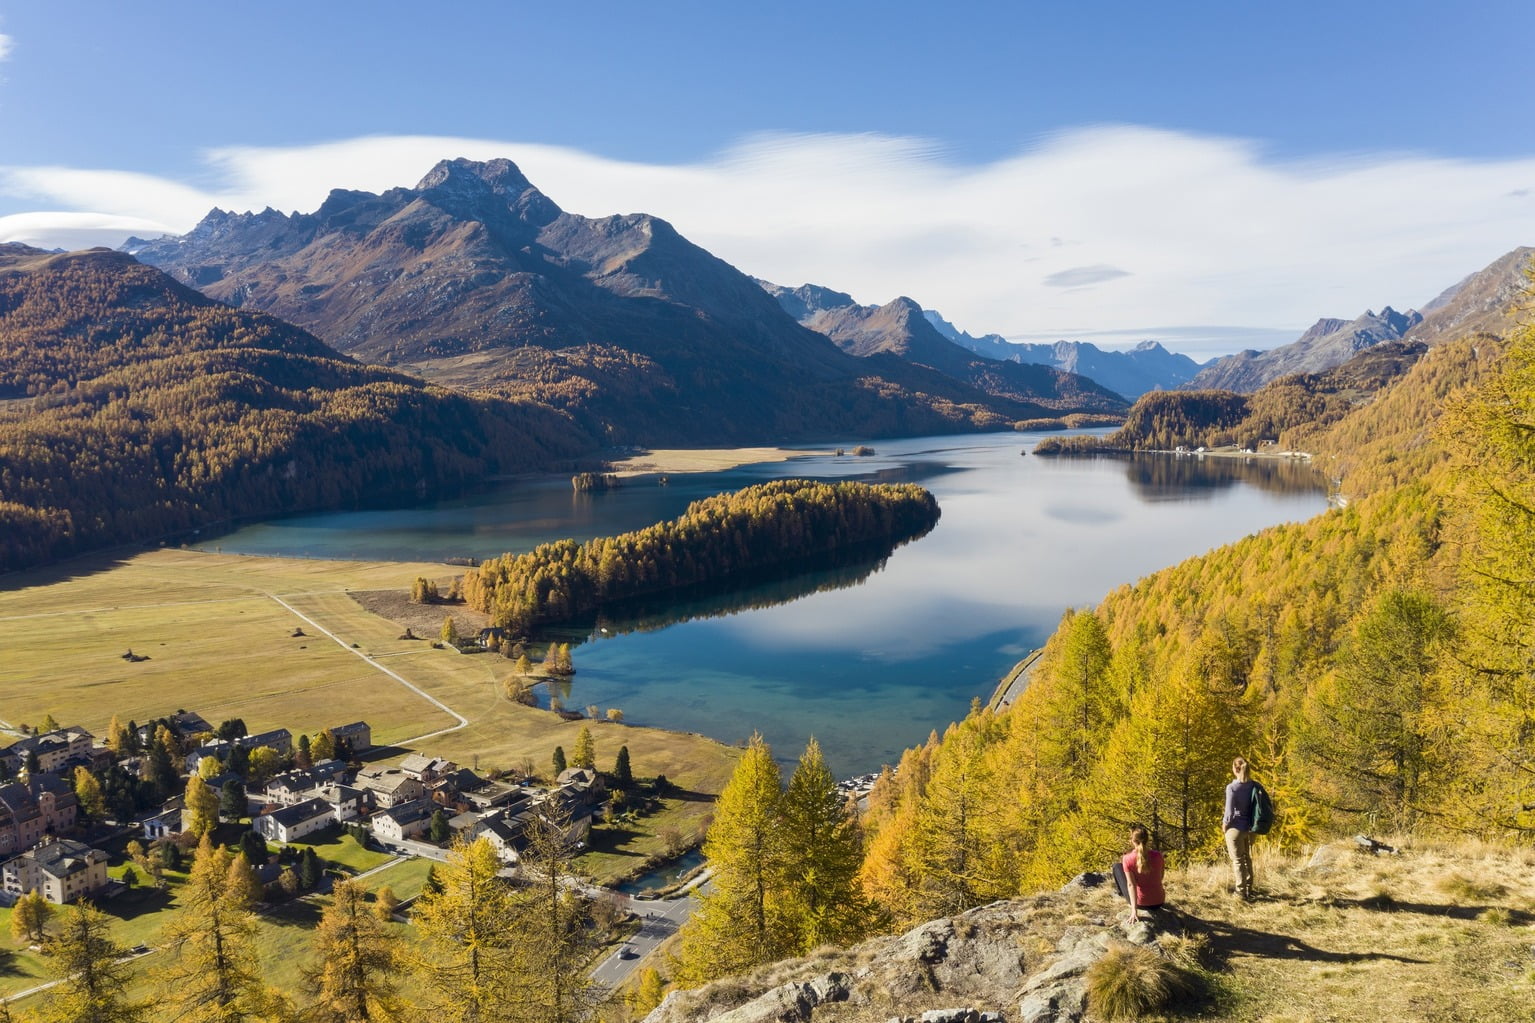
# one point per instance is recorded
(759, 527)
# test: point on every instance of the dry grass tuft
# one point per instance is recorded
(1131, 981)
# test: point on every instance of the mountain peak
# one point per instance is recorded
(462, 180)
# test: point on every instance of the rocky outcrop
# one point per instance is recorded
(1024, 959)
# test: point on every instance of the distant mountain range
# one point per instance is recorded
(1146, 367)
(1481, 303)
(476, 279)
(903, 329)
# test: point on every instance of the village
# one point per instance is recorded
(64, 836)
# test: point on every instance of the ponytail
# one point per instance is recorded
(1138, 841)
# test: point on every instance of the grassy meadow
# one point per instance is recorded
(219, 634)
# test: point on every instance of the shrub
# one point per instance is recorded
(1130, 981)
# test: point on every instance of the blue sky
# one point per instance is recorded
(1215, 175)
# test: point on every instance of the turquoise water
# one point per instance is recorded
(868, 657)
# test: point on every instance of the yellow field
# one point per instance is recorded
(218, 631)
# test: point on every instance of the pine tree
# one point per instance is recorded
(731, 932)
(467, 955)
(558, 762)
(213, 975)
(819, 899)
(232, 800)
(646, 993)
(30, 916)
(243, 885)
(439, 831)
(93, 984)
(303, 758)
(358, 958)
(586, 750)
(623, 774)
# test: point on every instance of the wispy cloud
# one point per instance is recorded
(1097, 230)
(7, 44)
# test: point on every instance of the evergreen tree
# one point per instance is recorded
(310, 869)
(440, 831)
(623, 775)
(302, 758)
(731, 931)
(253, 848)
(232, 800)
(93, 981)
(819, 899)
(358, 958)
(212, 975)
(467, 955)
(558, 762)
(586, 750)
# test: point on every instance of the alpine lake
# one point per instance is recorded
(870, 653)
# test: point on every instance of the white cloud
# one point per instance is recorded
(1146, 226)
(7, 44)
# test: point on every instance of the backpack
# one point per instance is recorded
(1262, 810)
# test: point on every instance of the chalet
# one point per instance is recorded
(294, 822)
(506, 832)
(583, 785)
(406, 820)
(62, 871)
(31, 809)
(390, 786)
(53, 749)
(347, 802)
(279, 739)
(183, 722)
(357, 736)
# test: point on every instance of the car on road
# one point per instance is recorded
(627, 953)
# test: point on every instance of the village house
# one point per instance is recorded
(165, 823)
(429, 771)
(390, 786)
(219, 749)
(279, 739)
(348, 801)
(357, 736)
(406, 820)
(291, 823)
(53, 749)
(296, 786)
(62, 871)
(31, 809)
(489, 795)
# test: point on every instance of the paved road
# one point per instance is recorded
(660, 919)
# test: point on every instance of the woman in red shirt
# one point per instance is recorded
(1143, 873)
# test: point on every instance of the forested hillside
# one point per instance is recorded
(132, 407)
(720, 537)
(1371, 663)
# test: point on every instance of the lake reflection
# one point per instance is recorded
(867, 656)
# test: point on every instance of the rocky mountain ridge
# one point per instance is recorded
(902, 328)
(476, 279)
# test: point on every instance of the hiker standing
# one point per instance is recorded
(1237, 823)
(1139, 873)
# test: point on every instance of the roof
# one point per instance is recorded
(298, 813)
(384, 779)
(277, 735)
(65, 857)
(411, 812)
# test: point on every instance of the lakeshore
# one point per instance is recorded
(666, 461)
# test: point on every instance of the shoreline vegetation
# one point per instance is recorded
(716, 539)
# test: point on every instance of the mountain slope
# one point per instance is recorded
(132, 406)
(901, 328)
(1327, 343)
(1486, 302)
(475, 278)
(1146, 367)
